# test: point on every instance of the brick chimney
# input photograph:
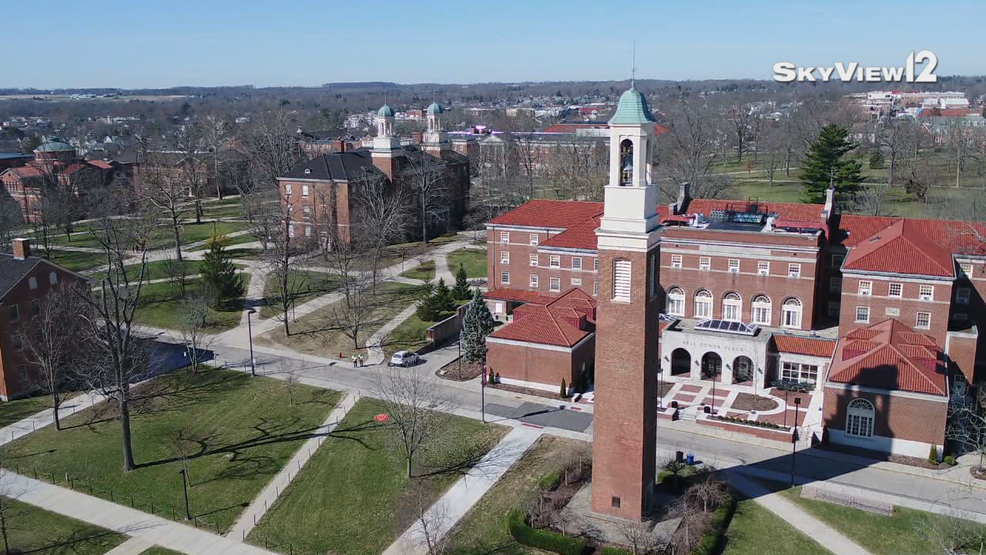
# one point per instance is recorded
(22, 248)
(339, 145)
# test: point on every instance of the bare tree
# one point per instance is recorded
(967, 424)
(638, 535)
(739, 118)
(215, 135)
(190, 168)
(284, 262)
(419, 408)
(897, 138)
(432, 520)
(271, 147)
(382, 217)
(164, 192)
(261, 210)
(708, 493)
(955, 535)
(579, 169)
(50, 343)
(688, 532)
(11, 221)
(425, 176)
(359, 309)
(873, 199)
(687, 153)
(195, 312)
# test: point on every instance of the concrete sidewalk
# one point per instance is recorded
(46, 417)
(810, 526)
(252, 515)
(148, 528)
(460, 498)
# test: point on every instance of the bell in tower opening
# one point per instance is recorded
(626, 163)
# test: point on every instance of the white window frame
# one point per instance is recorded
(794, 270)
(760, 309)
(895, 285)
(966, 269)
(676, 261)
(918, 325)
(860, 416)
(705, 263)
(595, 288)
(308, 231)
(865, 288)
(733, 265)
(32, 283)
(53, 278)
(505, 237)
(732, 307)
(577, 282)
(703, 304)
(534, 282)
(926, 292)
(554, 284)
(676, 302)
(763, 268)
(554, 261)
(792, 314)
(595, 264)
(504, 257)
(505, 278)
(304, 191)
(534, 239)
(14, 314)
(862, 310)
(534, 259)
(622, 279)
(287, 189)
(577, 263)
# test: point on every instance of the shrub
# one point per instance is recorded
(542, 539)
(550, 480)
(933, 454)
(950, 460)
(611, 550)
(745, 422)
(564, 389)
(711, 539)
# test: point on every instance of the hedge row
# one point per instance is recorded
(745, 422)
(610, 550)
(542, 539)
(712, 537)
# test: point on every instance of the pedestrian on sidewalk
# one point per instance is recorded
(361, 360)
(354, 360)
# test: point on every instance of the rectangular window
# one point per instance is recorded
(734, 265)
(896, 289)
(308, 231)
(859, 425)
(504, 257)
(926, 292)
(534, 239)
(862, 315)
(865, 288)
(576, 263)
(763, 268)
(621, 280)
(287, 189)
(923, 321)
(504, 237)
(576, 281)
(554, 284)
(704, 263)
(595, 288)
(962, 295)
(837, 260)
(595, 264)
(965, 269)
(794, 270)
(554, 261)
(534, 259)
(652, 276)
(304, 191)
(15, 314)
(290, 231)
(676, 306)
(505, 278)
(833, 308)
(307, 211)
(795, 372)
(835, 284)
(534, 281)
(676, 261)
(891, 311)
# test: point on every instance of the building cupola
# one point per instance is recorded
(385, 140)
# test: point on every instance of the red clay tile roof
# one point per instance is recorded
(101, 164)
(25, 172)
(896, 358)
(558, 214)
(563, 321)
(579, 236)
(810, 346)
(901, 248)
(784, 210)
(508, 294)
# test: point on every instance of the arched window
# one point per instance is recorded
(859, 418)
(711, 366)
(791, 313)
(626, 163)
(742, 369)
(621, 280)
(761, 310)
(681, 362)
(53, 278)
(703, 304)
(676, 301)
(32, 283)
(732, 307)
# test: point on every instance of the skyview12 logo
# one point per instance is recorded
(789, 72)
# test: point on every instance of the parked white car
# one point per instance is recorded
(404, 358)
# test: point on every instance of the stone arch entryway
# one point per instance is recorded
(681, 362)
(711, 366)
(742, 369)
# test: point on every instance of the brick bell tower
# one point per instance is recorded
(624, 449)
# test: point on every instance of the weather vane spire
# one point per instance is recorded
(633, 65)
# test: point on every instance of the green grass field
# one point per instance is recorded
(160, 237)
(354, 497)
(160, 551)
(303, 285)
(19, 409)
(35, 530)
(473, 259)
(424, 271)
(745, 535)
(155, 270)
(76, 261)
(161, 307)
(235, 431)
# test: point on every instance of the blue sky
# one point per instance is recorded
(151, 43)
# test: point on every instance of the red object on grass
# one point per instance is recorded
(381, 417)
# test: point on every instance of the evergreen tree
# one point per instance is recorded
(876, 160)
(461, 289)
(436, 303)
(476, 325)
(219, 273)
(827, 163)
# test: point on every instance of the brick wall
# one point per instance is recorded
(531, 363)
(907, 306)
(518, 263)
(896, 416)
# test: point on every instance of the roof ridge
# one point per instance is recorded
(915, 366)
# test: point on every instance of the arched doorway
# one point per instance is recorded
(681, 362)
(711, 366)
(742, 369)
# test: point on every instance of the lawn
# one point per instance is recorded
(240, 239)
(393, 254)
(155, 270)
(160, 237)
(76, 261)
(745, 535)
(308, 334)
(354, 497)
(484, 528)
(35, 530)
(304, 285)
(905, 532)
(19, 409)
(473, 259)
(161, 307)
(235, 431)
(424, 271)
(408, 336)
(160, 551)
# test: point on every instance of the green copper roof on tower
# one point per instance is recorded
(632, 109)
(435, 109)
(385, 111)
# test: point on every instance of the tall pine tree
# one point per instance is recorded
(476, 325)
(461, 289)
(827, 162)
(219, 273)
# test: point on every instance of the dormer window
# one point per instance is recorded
(308, 171)
(626, 163)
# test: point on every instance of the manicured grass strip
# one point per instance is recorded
(473, 259)
(484, 528)
(75, 261)
(356, 481)
(156, 550)
(230, 241)
(408, 336)
(304, 285)
(161, 307)
(745, 535)
(236, 432)
(19, 409)
(155, 270)
(906, 532)
(35, 530)
(425, 271)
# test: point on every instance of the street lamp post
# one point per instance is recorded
(794, 437)
(253, 361)
(482, 393)
(184, 487)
